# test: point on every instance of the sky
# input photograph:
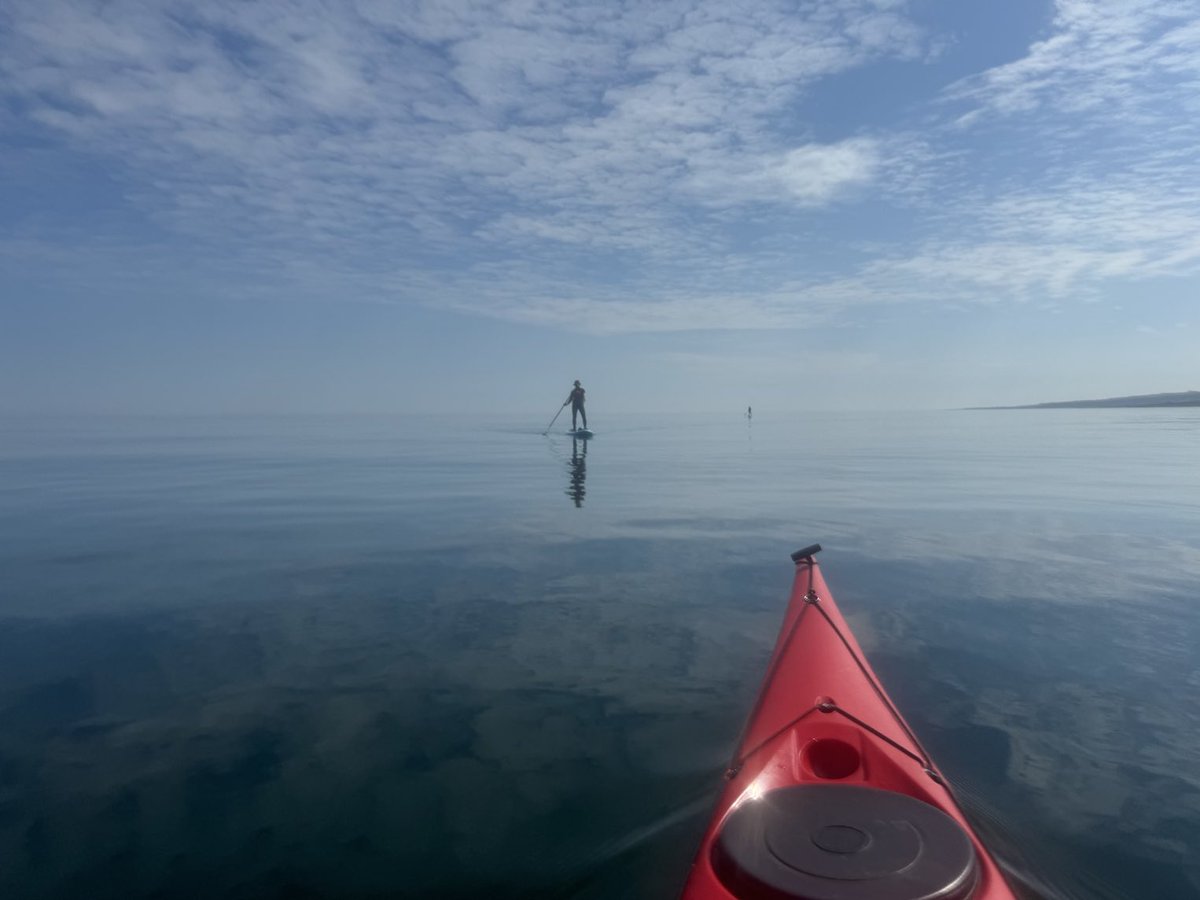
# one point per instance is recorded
(407, 207)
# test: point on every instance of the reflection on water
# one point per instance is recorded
(578, 469)
(359, 659)
(412, 731)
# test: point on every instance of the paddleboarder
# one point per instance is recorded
(575, 398)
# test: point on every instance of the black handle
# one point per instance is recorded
(806, 554)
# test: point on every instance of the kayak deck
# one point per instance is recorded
(830, 796)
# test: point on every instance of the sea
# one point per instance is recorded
(448, 657)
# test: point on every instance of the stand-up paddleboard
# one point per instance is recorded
(581, 433)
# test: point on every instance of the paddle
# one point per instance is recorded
(555, 419)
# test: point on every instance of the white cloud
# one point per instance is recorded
(618, 167)
(1103, 56)
(517, 110)
(815, 174)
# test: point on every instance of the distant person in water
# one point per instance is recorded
(749, 413)
(575, 398)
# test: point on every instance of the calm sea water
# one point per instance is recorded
(427, 657)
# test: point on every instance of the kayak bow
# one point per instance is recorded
(830, 795)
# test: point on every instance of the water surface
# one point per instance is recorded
(426, 657)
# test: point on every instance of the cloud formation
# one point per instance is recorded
(1101, 54)
(612, 167)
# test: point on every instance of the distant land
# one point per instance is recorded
(1182, 398)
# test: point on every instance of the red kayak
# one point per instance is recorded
(830, 795)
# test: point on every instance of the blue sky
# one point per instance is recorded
(415, 206)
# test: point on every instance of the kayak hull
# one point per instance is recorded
(830, 796)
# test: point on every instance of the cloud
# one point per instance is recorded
(245, 118)
(740, 368)
(811, 175)
(1102, 55)
(816, 173)
(610, 167)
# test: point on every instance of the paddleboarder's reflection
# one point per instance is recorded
(578, 469)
